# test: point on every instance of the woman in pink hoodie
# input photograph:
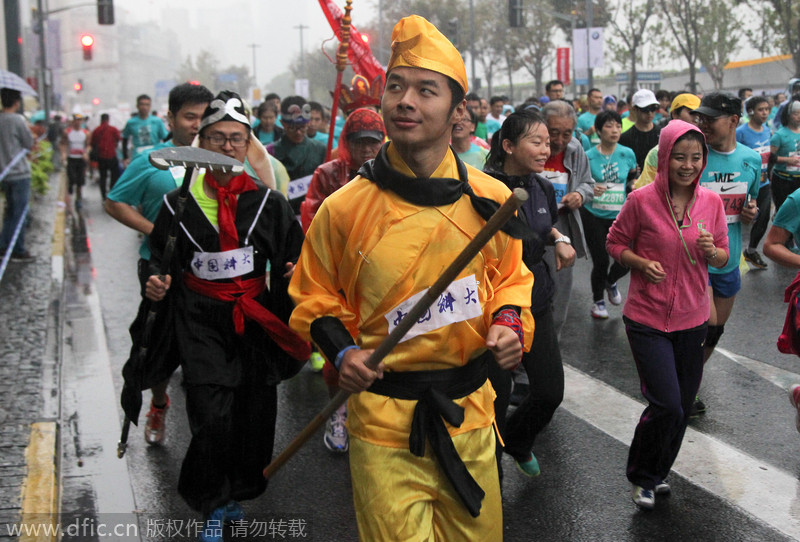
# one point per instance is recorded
(668, 233)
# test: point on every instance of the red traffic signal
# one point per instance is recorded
(77, 86)
(87, 41)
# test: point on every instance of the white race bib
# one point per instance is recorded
(612, 199)
(458, 303)
(793, 169)
(733, 197)
(223, 265)
(299, 187)
(559, 181)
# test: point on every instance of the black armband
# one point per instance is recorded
(330, 336)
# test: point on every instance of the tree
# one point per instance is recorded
(787, 14)
(489, 42)
(534, 43)
(320, 72)
(205, 69)
(703, 31)
(718, 41)
(628, 23)
(683, 21)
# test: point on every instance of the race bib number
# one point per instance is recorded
(458, 303)
(612, 199)
(793, 169)
(733, 197)
(223, 265)
(299, 187)
(559, 181)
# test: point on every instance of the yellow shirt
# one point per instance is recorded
(368, 250)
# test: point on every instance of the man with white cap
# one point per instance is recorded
(373, 248)
(234, 345)
(643, 135)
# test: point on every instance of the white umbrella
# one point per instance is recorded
(15, 82)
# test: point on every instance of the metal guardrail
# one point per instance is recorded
(7, 256)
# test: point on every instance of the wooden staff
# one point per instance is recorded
(498, 219)
(341, 64)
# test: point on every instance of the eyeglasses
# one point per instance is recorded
(703, 119)
(236, 140)
(650, 109)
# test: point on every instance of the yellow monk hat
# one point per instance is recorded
(416, 43)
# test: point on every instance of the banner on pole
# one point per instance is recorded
(588, 53)
(562, 65)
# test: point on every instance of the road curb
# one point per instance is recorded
(40, 503)
(41, 487)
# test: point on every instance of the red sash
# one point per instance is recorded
(244, 294)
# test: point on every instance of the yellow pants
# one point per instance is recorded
(401, 497)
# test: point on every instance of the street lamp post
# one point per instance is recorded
(254, 46)
(301, 27)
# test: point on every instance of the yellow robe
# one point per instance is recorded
(368, 250)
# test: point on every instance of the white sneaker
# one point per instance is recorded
(335, 437)
(599, 310)
(614, 297)
(644, 498)
(662, 488)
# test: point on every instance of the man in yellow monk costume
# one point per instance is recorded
(422, 448)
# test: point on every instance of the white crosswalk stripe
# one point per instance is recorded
(756, 487)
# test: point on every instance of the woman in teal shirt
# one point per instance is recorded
(785, 150)
(612, 166)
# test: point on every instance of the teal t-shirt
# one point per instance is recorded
(144, 133)
(733, 176)
(475, 156)
(143, 185)
(612, 171)
(788, 216)
(759, 142)
(788, 143)
(586, 121)
(492, 125)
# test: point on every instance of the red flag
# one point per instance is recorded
(359, 52)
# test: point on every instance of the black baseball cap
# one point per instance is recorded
(718, 104)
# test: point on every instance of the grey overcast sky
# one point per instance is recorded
(228, 27)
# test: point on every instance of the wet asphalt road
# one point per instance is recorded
(582, 494)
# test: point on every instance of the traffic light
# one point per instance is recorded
(78, 86)
(516, 17)
(105, 11)
(87, 41)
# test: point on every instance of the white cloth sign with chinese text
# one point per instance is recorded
(458, 303)
(223, 265)
(299, 187)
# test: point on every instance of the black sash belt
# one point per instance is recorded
(434, 392)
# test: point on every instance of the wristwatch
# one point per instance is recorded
(563, 239)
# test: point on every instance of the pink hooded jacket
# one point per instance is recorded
(647, 226)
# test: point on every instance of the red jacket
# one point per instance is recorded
(789, 342)
(327, 179)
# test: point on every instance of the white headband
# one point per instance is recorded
(224, 109)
